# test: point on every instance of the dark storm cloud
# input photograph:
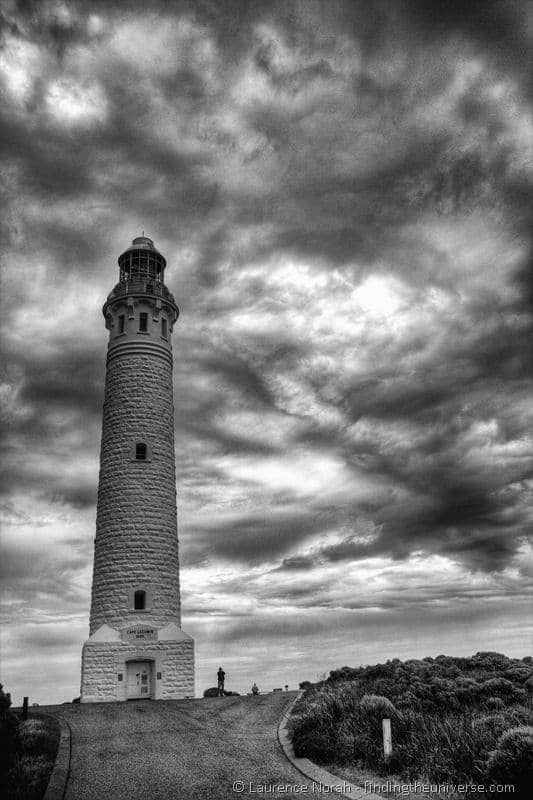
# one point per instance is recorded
(28, 569)
(51, 382)
(61, 485)
(237, 371)
(42, 22)
(338, 218)
(72, 250)
(498, 26)
(254, 537)
(355, 622)
(53, 423)
(53, 165)
(297, 563)
(311, 594)
(47, 639)
(66, 379)
(478, 519)
(78, 496)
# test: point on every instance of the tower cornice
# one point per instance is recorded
(158, 295)
(146, 348)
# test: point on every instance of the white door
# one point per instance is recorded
(138, 679)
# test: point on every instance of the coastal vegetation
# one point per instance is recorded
(454, 720)
(27, 752)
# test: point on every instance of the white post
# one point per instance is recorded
(387, 738)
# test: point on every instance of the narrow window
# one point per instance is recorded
(139, 601)
(164, 328)
(143, 321)
(140, 451)
(121, 323)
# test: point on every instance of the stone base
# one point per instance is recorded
(108, 670)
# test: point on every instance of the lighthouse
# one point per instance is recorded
(136, 646)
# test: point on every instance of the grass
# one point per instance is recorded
(450, 719)
(33, 759)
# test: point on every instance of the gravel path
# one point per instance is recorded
(181, 750)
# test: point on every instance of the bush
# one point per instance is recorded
(34, 736)
(316, 719)
(26, 776)
(489, 727)
(494, 703)
(519, 674)
(447, 715)
(8, 733)
(32, 763)
(377, 705)
(213, 692)
(512, 761)
(501, 687)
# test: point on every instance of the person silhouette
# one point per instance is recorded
(255, 689)
(221, 675)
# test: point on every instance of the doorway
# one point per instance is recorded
(138, 679)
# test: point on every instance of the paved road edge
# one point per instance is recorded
(59, 777)
(313, 772)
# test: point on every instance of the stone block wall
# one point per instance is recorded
(102, 662)
(98, 675)
(136, 544)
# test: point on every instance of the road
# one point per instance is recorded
(181, 750)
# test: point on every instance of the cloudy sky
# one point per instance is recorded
(341, 190)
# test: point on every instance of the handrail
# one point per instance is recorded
(141, 287)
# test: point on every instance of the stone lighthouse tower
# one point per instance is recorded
(136, 647)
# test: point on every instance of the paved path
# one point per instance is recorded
(181, 750)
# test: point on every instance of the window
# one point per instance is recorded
(143, 321)
(121, 322)
(140, 451)
(164, 328)
(139, 599)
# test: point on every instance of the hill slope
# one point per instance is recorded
(187, 749)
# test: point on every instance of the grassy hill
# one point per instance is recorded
(454, 720)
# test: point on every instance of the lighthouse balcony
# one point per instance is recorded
(141, 287)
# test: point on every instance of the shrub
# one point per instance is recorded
(34, 736)
(26, 776)
(33, 760)
(512, 761)
(489, 727)
(494, 703)
(501, 687)
(377, 705)
(8, 732)
(316, 720)
(519, 673)
(447, 715)
(213, 692)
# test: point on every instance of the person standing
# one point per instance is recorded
(255, 689)
(221, 676)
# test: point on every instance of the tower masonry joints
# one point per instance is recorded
(136, 646)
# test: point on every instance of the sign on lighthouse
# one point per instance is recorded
(136, 647)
